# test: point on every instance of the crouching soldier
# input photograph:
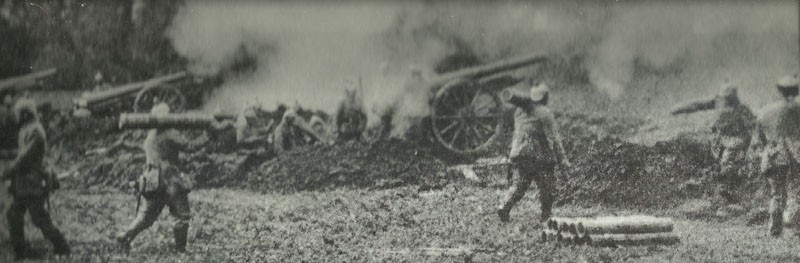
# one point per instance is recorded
(777, 137)
(535, 150)
(162, 184)
(291, 132)
(31, 184)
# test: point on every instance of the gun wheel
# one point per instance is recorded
(466, 118)
(148, 97)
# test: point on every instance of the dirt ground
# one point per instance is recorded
(394, 225)
(393, 201)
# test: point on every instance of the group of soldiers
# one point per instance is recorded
(743, 142)
(257, 128)
(536, 150)
(772, 139)
(162, 184)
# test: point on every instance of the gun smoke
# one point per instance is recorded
(642, 57)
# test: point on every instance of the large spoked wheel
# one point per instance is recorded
(466, 118)
(149, 96)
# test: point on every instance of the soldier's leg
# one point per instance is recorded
(179, 208)
(145, 217)
(793, 190)
(727, 177)
(16, 226)
(41, 218)
(777, 183)
(517, 189)
(545, 180)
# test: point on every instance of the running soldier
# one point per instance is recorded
(31, 184)
(535, 151)
(777, 138)
(732, 130)
(162, 184)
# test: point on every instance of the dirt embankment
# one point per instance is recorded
(606, 169)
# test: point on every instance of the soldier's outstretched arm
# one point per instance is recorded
(693, 107)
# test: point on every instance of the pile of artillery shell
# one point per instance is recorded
(610, 231)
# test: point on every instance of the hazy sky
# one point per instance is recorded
(661, 52)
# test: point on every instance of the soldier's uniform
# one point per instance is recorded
(351, 120)
(31, 184)
(778, 137)
(290, 132)
(535, 151)
(732, 129)
(162, 184)
(252, 128)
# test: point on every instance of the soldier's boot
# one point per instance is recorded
(776, 207)
(181, 235)
(504, 215)
(60, 246)
(124, 242)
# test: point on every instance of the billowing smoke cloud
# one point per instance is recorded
(643, 55)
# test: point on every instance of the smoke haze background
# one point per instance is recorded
(626, 58)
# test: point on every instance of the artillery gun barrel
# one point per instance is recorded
(170, 121)
(92, 98)
(515, 97)
(25, 81)
(488, 70)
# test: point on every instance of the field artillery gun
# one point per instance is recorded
(265, 127)
(467, 115)
(143, 95)
(24, 82)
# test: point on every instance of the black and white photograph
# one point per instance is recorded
(399, 131)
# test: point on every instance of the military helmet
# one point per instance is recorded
(25, 110)
(539, 92)
(160, 109)
(289, 115)
(727, 89)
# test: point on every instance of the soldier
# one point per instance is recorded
(535, 150)
(732, 129)
(31, 184)
(777, 137)
(162, 184)
(252, 128)
(351, 120)
(289, 132)
(318, 125)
